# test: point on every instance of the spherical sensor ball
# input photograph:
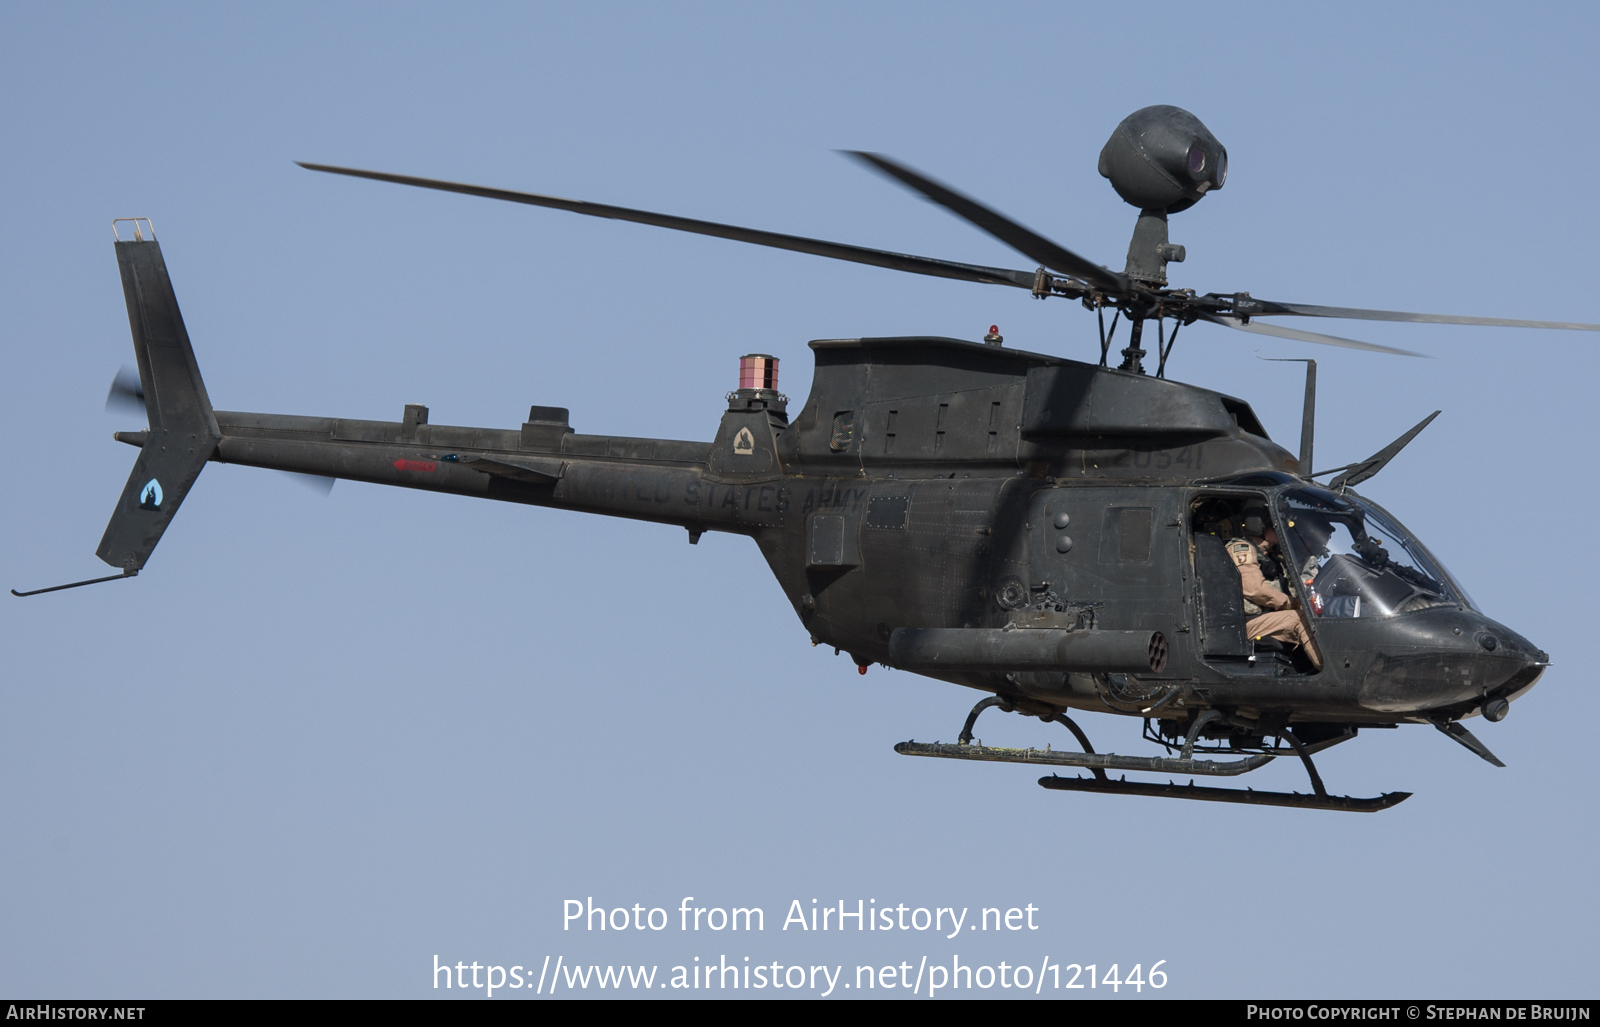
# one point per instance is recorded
(1163, 158)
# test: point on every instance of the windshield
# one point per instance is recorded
(1356, 561)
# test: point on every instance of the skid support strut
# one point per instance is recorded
(1083, 740)
(972, 718)
(1305, 757)
(965, 738)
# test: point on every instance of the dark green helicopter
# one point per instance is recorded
(1047, 531)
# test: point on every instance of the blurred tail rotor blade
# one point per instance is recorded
(1023, 240)
(1360, 314)
(1280, 332)
(126, 394)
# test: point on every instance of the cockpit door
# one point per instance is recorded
(1218, 600)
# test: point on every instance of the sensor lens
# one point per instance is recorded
(1197, 159)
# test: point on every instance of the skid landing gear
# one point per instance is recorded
(1246, 795)
(1099, 763)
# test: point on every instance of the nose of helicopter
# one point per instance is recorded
(1452, 661)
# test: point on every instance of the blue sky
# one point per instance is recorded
(322, 740)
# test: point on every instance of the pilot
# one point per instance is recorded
(1270, 607)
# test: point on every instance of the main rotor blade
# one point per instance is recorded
(1360, 314)
(800, 244)
(1280, 332)
(1023, 240)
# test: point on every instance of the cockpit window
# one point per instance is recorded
(1356, 561)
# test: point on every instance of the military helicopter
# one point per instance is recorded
(1048, 531)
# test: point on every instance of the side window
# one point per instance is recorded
(844, 431)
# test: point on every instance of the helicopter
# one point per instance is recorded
(1058, 534)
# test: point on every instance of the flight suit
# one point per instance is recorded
(1273, 615)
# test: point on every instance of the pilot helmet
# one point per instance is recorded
(1254, 520)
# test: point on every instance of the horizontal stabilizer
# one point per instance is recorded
(532, 470)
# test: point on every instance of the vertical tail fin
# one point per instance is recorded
(183, 430)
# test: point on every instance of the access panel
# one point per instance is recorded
(1121, 548)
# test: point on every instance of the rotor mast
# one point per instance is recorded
(1148, 255)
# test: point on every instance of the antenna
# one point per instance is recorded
(129, 573)
(1308, 416)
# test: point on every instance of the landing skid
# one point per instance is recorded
(1091, 760)
(1247, 795)
(1099, 763)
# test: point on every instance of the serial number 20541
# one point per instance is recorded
(1189, 457)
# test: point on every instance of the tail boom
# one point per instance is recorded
(543, 464)
(661, 480)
